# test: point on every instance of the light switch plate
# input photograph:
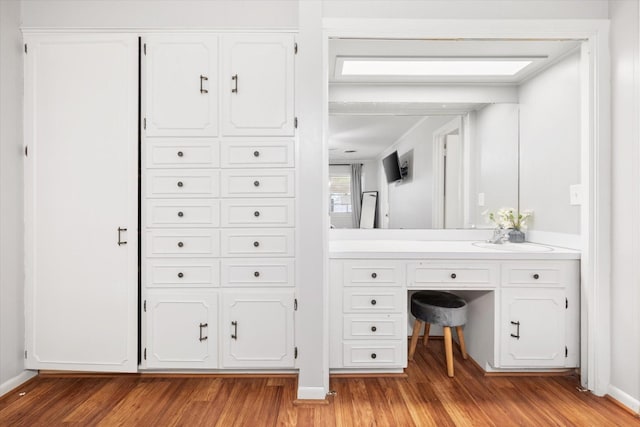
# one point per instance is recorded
(575, 194)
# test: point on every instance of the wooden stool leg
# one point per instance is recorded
(463, 347)
(448, 349)
(414, 338)
(427, 326)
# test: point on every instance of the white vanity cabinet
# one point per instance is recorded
(539, 315)
(523, 313)
(257, 84)
(257, 328)
(182, 329)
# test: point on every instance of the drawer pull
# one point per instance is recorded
(180, 214)
(180, 275)
(203, 325)
(180, 184)
(373, 329)
(373, 302)
(517, 334)
(256, 274)
(374, 275)
(180, 244)
(180, 154)
(453, 275)
(256, 244)
(256, 153)
(536, 276)
(256, 183)
(256, 214)
(373, 355)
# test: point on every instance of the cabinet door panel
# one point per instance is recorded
(257, 329)
(258, 84)
(80, 187)
(182, 330)
(533, 327)
(181, 74)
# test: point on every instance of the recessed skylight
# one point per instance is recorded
(433, 66)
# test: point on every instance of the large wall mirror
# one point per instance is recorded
(433, 127)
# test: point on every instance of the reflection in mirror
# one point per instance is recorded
(369, 205)
(430, 171)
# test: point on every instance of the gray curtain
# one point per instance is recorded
(356, 194)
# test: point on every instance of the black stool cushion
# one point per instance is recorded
(439, 308)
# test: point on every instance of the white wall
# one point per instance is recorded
(625, 204)
(160, 13)
(494, 160)
(550, 146)
(466, 9)
(11, 200)
(410, 200)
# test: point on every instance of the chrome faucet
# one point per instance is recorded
(500, 235)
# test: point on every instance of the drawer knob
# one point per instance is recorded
(180, 184)
(181, 275)
(373, 355)
(374, 275)
(256, 214)
(536, 276)
(180, 214)
(373, 329)
(256, 153)
(373, 302)
(180, 154)
(256, 274)
(180, 244)
(256, 183)
(256, 244)
(453, 275)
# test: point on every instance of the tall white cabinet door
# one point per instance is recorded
(257, 84)
(257, 329)
(533, 327)
(81, 102)
(181, 91)
(181, 329)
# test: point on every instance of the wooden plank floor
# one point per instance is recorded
(426, 398)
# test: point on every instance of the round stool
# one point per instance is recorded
(439, 308)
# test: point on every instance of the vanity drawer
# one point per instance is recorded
(182, 153)
(450, 275)
(373, 354)
(183, 243)
(369, 273)
(257, 243)
(173, 183)
(378, 326)
(183, 213)
(387, 300)
(538, 273)
(258, 272)
(258, 213)
(182, 273)
(251, 183)
(257, 154)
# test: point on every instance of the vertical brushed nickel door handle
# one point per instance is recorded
(202, 80)
(235, 79)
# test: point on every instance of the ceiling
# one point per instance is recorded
(371, 127)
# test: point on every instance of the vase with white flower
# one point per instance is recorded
(513, 222)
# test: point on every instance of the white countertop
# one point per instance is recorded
(436, 249)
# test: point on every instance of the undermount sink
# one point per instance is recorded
(513, 247)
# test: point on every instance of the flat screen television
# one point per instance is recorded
(392, 169)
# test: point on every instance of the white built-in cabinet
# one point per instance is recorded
(218, 219)
(81, 202)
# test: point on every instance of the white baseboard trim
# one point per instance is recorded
(624, 398)
(16, 381)
(312, 393)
